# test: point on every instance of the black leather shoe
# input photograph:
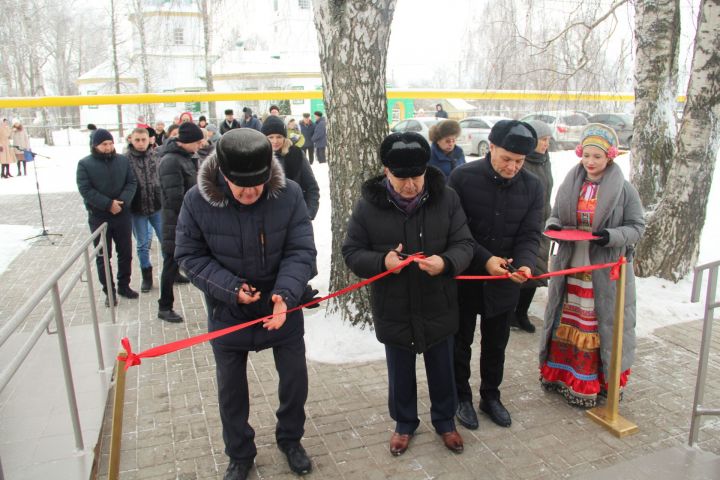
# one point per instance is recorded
(496, 411)
(466, 415)
(297, 458)
(169, 316)
(107, 301)
(238, 470)
(180, 278)
(127, 292)
(521, 321)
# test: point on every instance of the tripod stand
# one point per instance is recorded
(44, 233)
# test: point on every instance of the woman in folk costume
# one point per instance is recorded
(577, 341)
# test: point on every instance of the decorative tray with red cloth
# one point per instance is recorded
(570, 235)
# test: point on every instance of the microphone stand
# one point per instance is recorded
(44, 233)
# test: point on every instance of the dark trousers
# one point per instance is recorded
(320, 154)
(526, 297)
(119, 231)
(234, 401)
(310, 154)
(402, 383)
(23, 164)
(494, 331)
(167, 281)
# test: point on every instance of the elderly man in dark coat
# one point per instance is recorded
(245, 239)
(409, 209)
(504, 205)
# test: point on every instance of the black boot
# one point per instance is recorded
(169, 316)
(127, 292)
(180, 278)
(521, 321)
(147, 280)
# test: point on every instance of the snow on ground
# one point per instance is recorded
(328, 339)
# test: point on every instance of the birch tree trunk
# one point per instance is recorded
(147, 109)
(671, 242)
(657, 34)
(353, 37)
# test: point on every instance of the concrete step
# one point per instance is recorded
(670, 464)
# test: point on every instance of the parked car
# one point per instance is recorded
(474, 136)
(420, 125)
(621, 122)
(566, 126)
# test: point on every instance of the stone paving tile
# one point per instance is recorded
(171, 428)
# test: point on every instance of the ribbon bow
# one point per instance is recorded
(131, 359)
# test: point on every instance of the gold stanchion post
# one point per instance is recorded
(117, 418)
(607, 415)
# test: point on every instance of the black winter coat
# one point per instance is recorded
(224, 127)
(307, 132)
(411, 310)
(147, 195)
(104, 178)
(269, 245)
(505, 218)
(319, 136)
(178, 173)
(298, 169)
(539, 165)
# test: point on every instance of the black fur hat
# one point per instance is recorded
(244, 156)
(405, 154)
(514, 136)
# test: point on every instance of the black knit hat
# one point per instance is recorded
(405, 154)
(188, 132)
(272, 125)
(229, 111)
(245, 157)
(514, 136)
(100, 136)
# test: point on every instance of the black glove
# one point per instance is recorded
(308, 296)
(604, 238)
(552, 226)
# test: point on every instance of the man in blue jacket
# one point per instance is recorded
(245, 239)
(107, 184)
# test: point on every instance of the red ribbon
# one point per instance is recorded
(131, 359)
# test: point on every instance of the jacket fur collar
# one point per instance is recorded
(375, 192)
(214, 189)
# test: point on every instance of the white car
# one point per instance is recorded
(567, 126)
(419, 125)
(473, 138)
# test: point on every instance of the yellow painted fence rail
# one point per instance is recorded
(146, 98)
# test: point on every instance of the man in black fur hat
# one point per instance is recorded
(245, 239)
(504, 206)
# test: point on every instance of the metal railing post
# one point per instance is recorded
(67, 370)
(117, 418)
(93, 310)
(109, 282)
(698, 409)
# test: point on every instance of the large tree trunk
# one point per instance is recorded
(657, 33)
(671, 243)
(147, 109)
(353, 37)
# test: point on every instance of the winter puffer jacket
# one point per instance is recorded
(539, 165)
(298, 169)
(505, 218)
(147, 196)
(104, 178)
(178, 173)
(412, 309)
(269, 245)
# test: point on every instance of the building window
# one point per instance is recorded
(92, 92)
(171, 104)
(178, 36)
(275, 5)
(304, 4)
(298, 101)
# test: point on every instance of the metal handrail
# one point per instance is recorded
(711, 304)
(51, 285)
